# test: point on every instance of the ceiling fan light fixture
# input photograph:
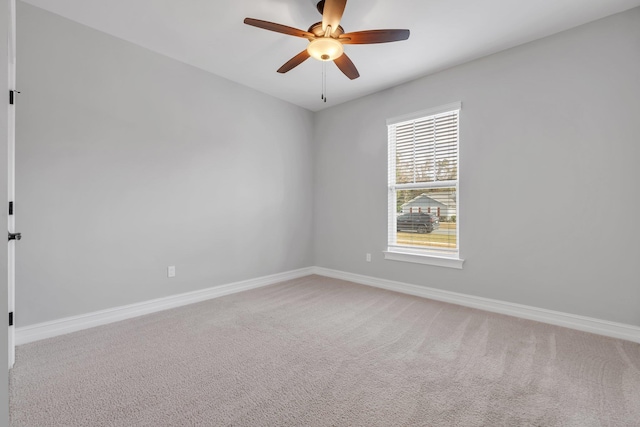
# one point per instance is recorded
(325, 49)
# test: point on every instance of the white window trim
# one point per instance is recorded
(419, 255)
(428, 112)
(407, 255)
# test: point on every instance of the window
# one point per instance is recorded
(423, 187)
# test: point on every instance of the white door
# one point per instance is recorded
(11, 160)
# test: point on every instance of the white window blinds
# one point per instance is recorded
(426, 150)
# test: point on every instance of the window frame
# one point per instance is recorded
(417, 254)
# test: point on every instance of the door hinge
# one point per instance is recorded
(11, 319)
(11, 96)
(10, 208)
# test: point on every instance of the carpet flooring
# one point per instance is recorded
(323, 352)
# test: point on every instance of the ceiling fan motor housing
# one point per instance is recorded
(317, 30)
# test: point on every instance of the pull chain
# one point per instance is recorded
(324, 81)
(324, 72)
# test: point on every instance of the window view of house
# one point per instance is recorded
(417, 209)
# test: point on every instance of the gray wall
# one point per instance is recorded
(128, 162)
(550, 132)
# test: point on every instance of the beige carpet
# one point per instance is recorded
(323, 352)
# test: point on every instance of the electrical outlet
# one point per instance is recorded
(171, 271)
(368, 257)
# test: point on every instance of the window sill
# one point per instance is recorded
(428, 259)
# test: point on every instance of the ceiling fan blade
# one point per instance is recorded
(278, 28)
(332, 14)
(346, 66)
(294, 62)
(374, 36)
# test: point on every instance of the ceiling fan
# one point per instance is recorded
(327, 37)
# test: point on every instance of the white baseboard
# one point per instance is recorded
(54, 328)
(581, 323)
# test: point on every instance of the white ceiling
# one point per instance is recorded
(210, 35)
